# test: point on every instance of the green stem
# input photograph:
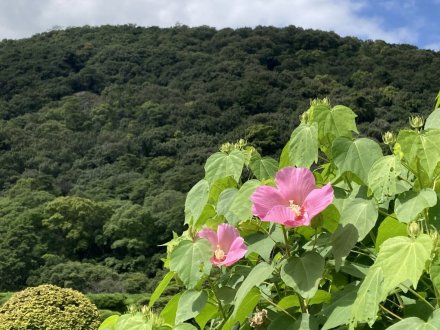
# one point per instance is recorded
(414, 292)
(220, 306)
(390, 312)
(267, 298)
(302, 304)
(286, 240)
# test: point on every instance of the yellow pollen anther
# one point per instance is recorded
(219, 253)
(295, 208)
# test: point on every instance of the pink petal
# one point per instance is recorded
(295, 183)
(226, 235)
(236, 251)
(264, 199)
(318, 200)
(280, 214)
(210, 235)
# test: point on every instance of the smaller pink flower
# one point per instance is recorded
(295, 200)
(227, 245)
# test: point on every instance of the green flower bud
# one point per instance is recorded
(389, 138)
(416, 121)
(413, 229)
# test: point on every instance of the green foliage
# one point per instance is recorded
(49, 307)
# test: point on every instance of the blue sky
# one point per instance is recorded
(405, 21)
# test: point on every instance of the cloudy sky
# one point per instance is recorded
(396, 21)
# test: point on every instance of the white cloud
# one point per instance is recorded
(433, 46)
(22, 18)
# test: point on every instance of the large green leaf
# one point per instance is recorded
(433, 120)
(160, 288)
(263, 167)
(220, 165)
(303, 145)
(343, 240)
(339, 311)
(109, 323)
(207, 313)
(369, 295)
(389, 227)
(258, 274)
(185, 326)
(304, 273)
(435, 271)
(420, 148)
(382, 178)
(242, 311)
(190, 304)
(414, 323)
(403, 259)
(332, 123)
(190, 261)
(168, 313)
(133, 322)
(361, 213)
(409, 204)
(260, 243)
(355, 156)
(236, 207)
(305, 322)
(195, 201)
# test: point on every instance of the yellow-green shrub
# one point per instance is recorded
(49, 307)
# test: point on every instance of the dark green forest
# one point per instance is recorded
(103, 130)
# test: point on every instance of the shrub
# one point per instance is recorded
(50, 308)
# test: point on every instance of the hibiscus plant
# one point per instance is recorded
(340, 233)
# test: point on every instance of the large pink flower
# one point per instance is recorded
(295, 200)
(227, 245)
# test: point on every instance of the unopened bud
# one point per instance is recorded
(389, 138)
(434, 235)
(413, 229)
(226, 147)
(416, 121)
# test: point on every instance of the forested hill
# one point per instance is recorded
(103, 131)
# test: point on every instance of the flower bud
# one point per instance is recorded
(413, 229)
(389, 138)
(434, 235)
(416, 121)
(258, 318)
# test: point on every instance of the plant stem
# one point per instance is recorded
(302, 304)
(267, 298)
(414, 292)
(286, 240)
(390, 312)
(220, 306)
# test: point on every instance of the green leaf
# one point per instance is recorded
(339, 311)
(285, 156)
(303, 145)
(414, 323)
(260, 243)
(403, 258)
(420, 148)
(382, 178)
(220, 165)
(133, 322)
(303, 274)
(409, 204)
(332, 123)
(195, 201)
(361, 213)
(369, 295)
(435, 271)
(263, 167)
(390, 227)
(343, 240)
(218, 187)
(305, 322)
(190, 261)
(168, 313)
(184, 326)
(207, 313)
(242, 311)
(160, 288)
(258, 274)
(433, 120)
(355, 156)
(109, 323)
(190, 304)
(240, 204)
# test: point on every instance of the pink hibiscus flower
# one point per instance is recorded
(227, 245)
(295, 200)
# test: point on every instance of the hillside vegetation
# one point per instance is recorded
(103, 131)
